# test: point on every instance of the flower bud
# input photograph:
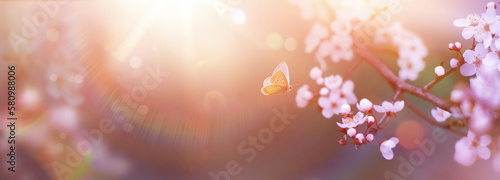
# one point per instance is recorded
(454, 63)
(360, 137)
(345, 109)
(369, 137)
(351, 132)
(342, 142)
(458, 45)
(370, 121)
(439, 70)
(364, 105)
(451, 46)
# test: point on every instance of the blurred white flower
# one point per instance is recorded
(481, 120)
(315, 35)
(390, 107)
(410, 68)
(333, 82)
(358, 10)
(347, 92)
(412, 46)
(341, 27)
(304, 95)
(469, 148)
(310, 9)
(491, 60)
(324, 50)
(355, 121)
(387, 146)
(342, 44)
(364, 105)
(323, 91)
(331, 104)
(440, 115)
(315, 73)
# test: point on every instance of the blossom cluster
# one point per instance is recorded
(331, 39)
(478, 104)
(333, 93)
(411, 49)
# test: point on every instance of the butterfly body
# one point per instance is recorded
(279, 82)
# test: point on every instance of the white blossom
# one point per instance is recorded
(469, 148)
(387, 146)
(440, 115)
(387, 107)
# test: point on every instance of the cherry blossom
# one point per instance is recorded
(349, 122)
(469, 148)
(387, 146)
(481, 120)
(475, 26)
(440, 115)
(473, 59)
(333, 82)
(388, 107)
(331, 104)
(410, 68)
(341, 47)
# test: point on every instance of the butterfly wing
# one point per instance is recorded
(267, 81)
(279, 79)
(273, 89)
(283, 67)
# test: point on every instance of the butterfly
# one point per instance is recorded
(279, 82)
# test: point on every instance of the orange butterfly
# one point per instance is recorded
(279, 82)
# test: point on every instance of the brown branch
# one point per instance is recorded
(398, 84)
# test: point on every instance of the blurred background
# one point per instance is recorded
(169, 90)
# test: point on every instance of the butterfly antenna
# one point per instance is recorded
(295, 84)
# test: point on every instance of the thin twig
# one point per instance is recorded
(427, 118)
(352, 68)
(429, 85)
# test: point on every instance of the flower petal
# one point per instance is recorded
(491, 59)
(468, 32)
(469, 56)
(379, 109)
(467, 69)
(483, 152)
(461, 22)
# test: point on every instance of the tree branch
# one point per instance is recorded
(398, 84)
